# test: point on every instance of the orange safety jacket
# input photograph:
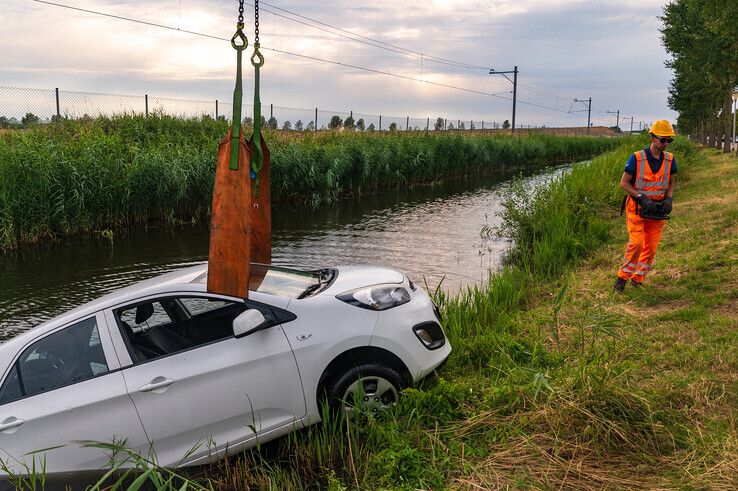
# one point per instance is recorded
(652, 185)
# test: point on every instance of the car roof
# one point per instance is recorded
(181, 278)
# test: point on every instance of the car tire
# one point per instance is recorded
(375, 388)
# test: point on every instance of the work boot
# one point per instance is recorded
(619, 285)
(637, 284)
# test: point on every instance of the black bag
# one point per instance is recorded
(653, 212)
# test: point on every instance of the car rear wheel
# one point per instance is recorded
(368, 390)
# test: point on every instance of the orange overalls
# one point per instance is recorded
(644, 233)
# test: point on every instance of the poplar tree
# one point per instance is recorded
(701, 36)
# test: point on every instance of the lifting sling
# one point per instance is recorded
(261, 212)
(230, 223)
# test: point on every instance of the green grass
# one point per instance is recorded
(557, 382)
(82, 176)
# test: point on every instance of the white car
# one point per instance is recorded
(166, 365)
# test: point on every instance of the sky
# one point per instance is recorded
(564, 50)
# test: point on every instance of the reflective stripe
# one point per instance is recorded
(641, 273)
(644, 265)
(632, 265)
(652, 188)
(627, 270)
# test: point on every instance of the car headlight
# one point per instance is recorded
(379, 297)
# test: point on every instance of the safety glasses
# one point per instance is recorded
(665, 140)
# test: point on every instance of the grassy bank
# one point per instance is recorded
(83, 176)
(557, 382)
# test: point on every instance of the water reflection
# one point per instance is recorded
(432, 233)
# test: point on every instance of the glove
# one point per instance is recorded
(646, 204)
(666, 206)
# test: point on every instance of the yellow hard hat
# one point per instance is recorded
(662, 128)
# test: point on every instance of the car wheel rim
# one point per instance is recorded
(370, 395)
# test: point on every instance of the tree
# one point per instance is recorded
(471, 125)
(451, 126)
(438, 125)
(247, 121)
(360, 124)
(393, 126)
(29, 120)
(272, 123)
(4, 122)
(462, 125)
(310, 126)
(287, 125)
(335, 123)
(506, 124)
(371, 127)
(349, 123)
(298, 125)
(701, 36)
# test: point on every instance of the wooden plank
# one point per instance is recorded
(230, 223)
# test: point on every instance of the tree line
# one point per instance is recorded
(335, 123)
(26, 121)
(701, 36)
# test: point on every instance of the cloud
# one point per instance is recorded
(571, 48)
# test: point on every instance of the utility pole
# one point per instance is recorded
(589, 110)
(631, 123)
(514, 81)
(617, 124)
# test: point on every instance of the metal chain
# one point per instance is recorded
(240, 14)
(256, 20)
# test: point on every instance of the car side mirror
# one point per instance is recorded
(248, 322)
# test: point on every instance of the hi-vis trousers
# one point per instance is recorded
(640, 252)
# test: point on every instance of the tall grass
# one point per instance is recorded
(90, 175)
(520, 403)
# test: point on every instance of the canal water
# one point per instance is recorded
(438, 235)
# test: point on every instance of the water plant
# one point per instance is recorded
(82, 176)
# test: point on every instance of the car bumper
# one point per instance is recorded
(394, 332)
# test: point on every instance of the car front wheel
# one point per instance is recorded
(369, 389)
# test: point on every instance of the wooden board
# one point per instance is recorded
(230, 223)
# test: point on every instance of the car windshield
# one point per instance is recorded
(283, 282)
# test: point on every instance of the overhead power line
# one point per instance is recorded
(369, 40)
(308, 57)
(137, 21)
(391, 47)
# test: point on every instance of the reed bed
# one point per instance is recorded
(82, 176)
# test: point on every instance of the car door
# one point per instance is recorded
(198, 389)
(62, 389)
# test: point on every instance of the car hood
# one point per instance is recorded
(352, 277)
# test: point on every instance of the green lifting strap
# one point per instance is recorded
(257, 156)
(237, 95)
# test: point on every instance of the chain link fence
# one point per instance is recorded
(21, 107)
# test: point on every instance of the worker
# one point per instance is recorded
(649, 181)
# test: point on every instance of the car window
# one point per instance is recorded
(196, 306)
(65, 357)
(164, 326)
(11, 389)
(145, 316)
(280, 281)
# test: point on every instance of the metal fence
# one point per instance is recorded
(20, 106)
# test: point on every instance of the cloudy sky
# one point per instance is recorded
(564, 49)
